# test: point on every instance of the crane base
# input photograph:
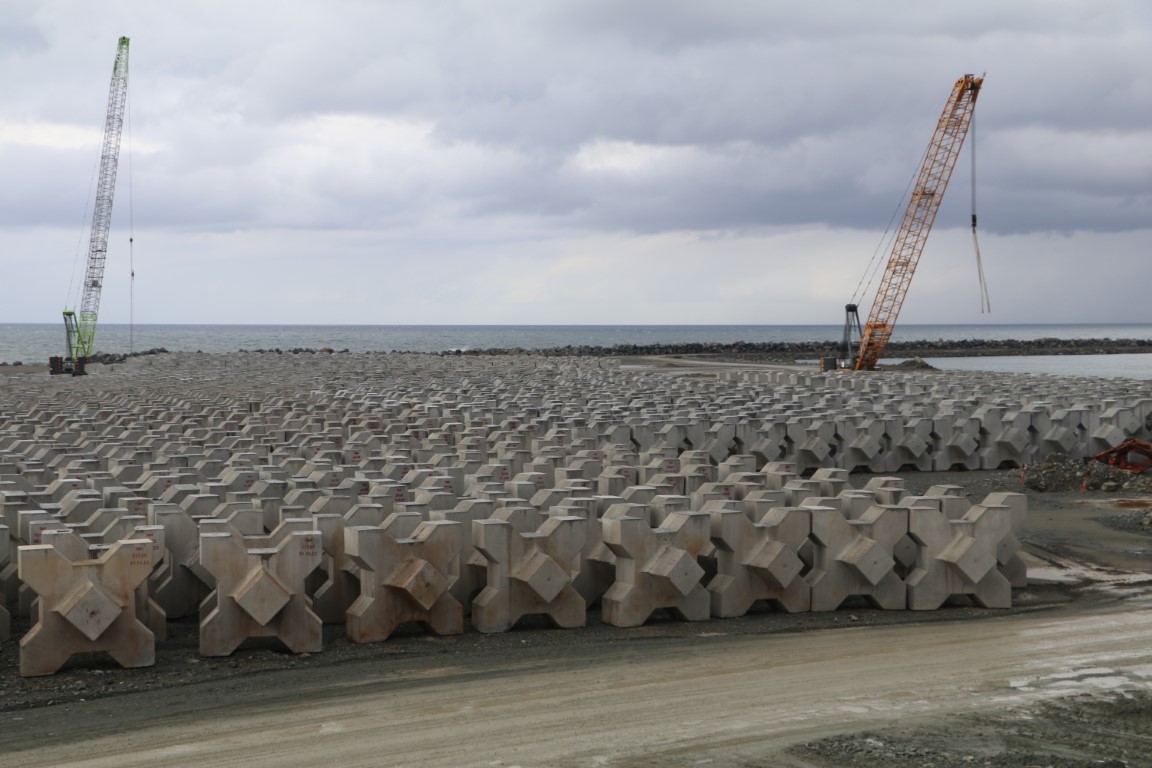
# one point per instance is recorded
(64, 365)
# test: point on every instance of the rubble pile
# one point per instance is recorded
(1060, 472)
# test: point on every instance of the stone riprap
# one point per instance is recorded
(277, 492)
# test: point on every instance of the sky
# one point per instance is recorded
(574, 161)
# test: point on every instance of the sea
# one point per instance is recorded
(34, 343)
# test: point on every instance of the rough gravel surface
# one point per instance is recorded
(1079, 732)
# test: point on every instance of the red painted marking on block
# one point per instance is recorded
(141, 555)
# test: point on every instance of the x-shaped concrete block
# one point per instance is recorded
(954, 557)
(855, 557)
(528, 573)
(260, 592)
(85, 604)
(752, 564)
(656, 568)
(1008, 547)
(403, 580)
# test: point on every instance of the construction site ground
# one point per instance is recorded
(1064, 678)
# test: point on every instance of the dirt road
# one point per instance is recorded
(653, 700)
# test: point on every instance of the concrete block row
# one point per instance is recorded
(720, 561)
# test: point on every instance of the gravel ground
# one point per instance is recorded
(1081, 732)
(1073, 732)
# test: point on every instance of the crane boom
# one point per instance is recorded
(927, 194)
(80, 327)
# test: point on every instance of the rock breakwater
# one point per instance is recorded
(780, 351)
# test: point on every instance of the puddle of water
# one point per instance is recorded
(1131, 503)
(1052, 575)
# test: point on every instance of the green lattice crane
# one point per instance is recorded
(80, 325)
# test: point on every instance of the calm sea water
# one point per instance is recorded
(34, 343)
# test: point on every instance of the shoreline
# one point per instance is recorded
(789, 351)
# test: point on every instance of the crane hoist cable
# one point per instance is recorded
(131, 242)
(874, 264)
(985, 300)
(73, 295)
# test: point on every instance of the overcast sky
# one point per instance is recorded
(573, 161)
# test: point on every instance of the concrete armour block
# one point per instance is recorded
(528, 573)
(404, 580)
(467, 569)
(5, 618)
(339, 583)
(85, 604)
(656, 568)
(260, 592)
(752, 565)
(594, 568)
(953, 557)
(796, 490)
(888, 490)
(1001, 515)
(955, 444)
(178, 584)
(855, 557)
(912, 445)
(777, 474)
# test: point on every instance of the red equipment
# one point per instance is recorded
(1122, 456)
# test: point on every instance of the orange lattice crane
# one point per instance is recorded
(908, 244)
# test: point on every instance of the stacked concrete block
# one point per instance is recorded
(656, 568)
(777, 474)
(260, 592)
(1067, 432)
(85, 604)
(862, 445)
(179, 583)
(887, 490)
(468, 569)
(337, 580)
(529, 573)
(957, 557)
(956, 443)
(1014, 507)
(854, 557)
(754, 563)
(952, 500)
(812, 442)
(594, 566)
(911, 444)
(404, 580)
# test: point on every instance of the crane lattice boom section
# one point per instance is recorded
(82, 328)
(927, 194)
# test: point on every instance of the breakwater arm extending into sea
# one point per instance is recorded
(775, 351)
(785, 351)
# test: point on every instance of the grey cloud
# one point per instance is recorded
(813, 114)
